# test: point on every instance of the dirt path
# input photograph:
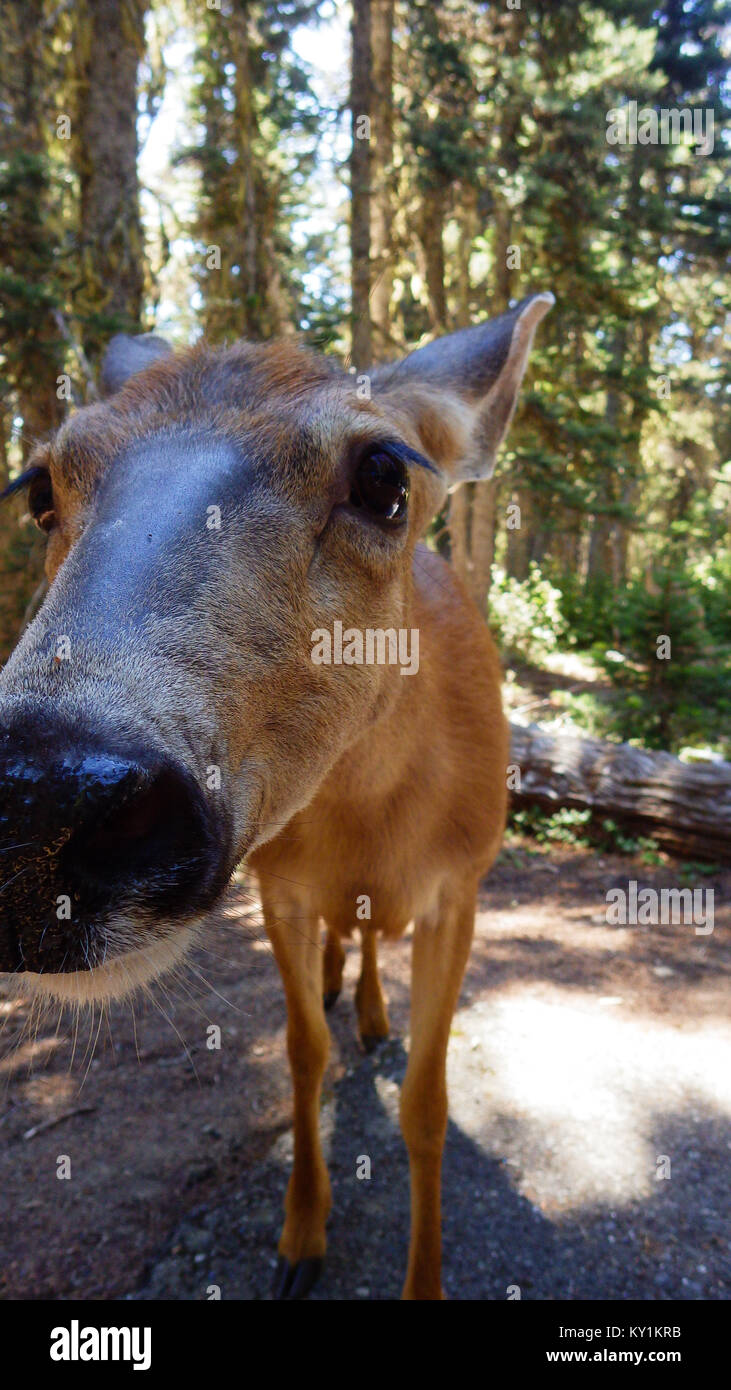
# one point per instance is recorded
(585, 1059)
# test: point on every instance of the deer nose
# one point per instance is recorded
(103, 815)
(127, 819)
(100, 832)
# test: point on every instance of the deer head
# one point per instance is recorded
(163, 715)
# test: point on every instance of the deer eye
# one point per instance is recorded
(381, 487)
(40, 502)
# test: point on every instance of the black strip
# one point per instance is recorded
(23, 481)
(407, 455)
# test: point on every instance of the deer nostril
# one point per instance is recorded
(139, 816)
(152, 827)
(99, 837)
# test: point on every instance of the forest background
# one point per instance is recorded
(366, 177)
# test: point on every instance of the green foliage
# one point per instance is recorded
(615, 455)
(684, 697)
(562, 827)
(21, 559)
(711, 579)
(613, 839)
(690, 871)
(258, 124)
(588, 611)
(589, 711)
(30, 288)
(500, 142)
(681, 700)
(526, 615)
(582, 829)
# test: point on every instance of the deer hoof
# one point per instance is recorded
(295, 1281)
(329, 998)
(371, 1041)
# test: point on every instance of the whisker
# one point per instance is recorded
(134, 1031)
(177, 1032)
(108, 1018)
(179, 978)
(8, 882)
(77, 1017)
(93, 1050)
(217, 992)
(92, 1012)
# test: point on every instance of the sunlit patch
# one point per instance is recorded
(576, 1097)
(10, 1006)
(239, 910)
(28, 1053)
(50, 1090)
(117, 978)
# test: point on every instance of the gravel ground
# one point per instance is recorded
(570, 1212)
(589, 1146)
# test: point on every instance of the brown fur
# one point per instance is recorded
(389, 786)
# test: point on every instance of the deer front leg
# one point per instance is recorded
(298, 952)
(333, 964)
(439, 957)
(372, 1017)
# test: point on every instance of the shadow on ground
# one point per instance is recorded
(673, 1245)
(588, 1153)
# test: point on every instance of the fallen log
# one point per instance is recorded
(685, 807)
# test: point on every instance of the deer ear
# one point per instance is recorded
(461, 390)
(127, 356)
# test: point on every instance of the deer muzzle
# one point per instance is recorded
(96, 844)
(109, 833)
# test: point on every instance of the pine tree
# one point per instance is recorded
(106, 46)
(257, 121)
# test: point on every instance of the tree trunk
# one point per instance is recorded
(483, 540)
(458, 525)
(473, 545)
(246, 201)
(382, 190)
(104, 131)
(431, 236)
(33, 357)
(503, 272)
(599, 562)
(629, 486)
(519, 538)
(686, 807)
(240, 204)
(518, 554)
(360, 185)
(467, 231)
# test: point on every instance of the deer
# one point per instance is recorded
(162, 719)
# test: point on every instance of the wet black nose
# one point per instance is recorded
(128, 820)
(87, 833)
(105, 817)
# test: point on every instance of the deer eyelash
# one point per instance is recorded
(23, 481)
